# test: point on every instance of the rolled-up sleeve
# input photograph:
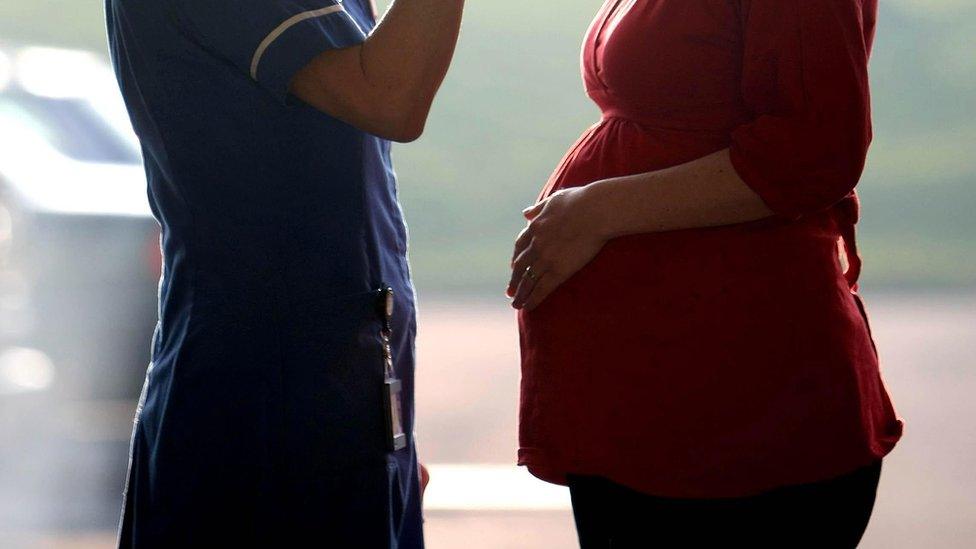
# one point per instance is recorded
(805, 82)
(269, 40)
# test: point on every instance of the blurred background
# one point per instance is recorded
(79, 264)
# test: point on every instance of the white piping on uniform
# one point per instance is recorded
(290, 22)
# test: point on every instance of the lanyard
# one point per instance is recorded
(392, 388)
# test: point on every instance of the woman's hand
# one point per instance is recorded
(560, 239)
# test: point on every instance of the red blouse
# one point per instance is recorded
(724, 361)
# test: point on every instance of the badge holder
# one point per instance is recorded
(392, 387)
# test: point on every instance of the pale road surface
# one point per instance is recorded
(467, 394)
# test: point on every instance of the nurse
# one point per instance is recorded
(277, 409)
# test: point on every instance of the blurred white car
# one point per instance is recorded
(79, 265)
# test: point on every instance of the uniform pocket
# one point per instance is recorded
(331, 383)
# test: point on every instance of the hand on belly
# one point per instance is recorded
(559, 241)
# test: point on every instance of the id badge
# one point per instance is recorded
(396, 439)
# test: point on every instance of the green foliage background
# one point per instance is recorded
(513, 103)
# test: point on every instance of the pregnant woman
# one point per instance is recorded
(697, 365)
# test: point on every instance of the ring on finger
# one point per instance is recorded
(530, 274)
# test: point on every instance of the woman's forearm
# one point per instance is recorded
(410, 50)
(385, 86)
(706, 192)
(569, 228)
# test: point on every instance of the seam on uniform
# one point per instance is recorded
(280, 29)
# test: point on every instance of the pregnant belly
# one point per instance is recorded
(688, 351)
(723, 268)
(654, 303)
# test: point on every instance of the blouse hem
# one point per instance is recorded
(544, 467)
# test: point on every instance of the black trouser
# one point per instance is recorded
(831, 514)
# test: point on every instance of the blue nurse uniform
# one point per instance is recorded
(261, 422)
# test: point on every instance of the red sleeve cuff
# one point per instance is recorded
(771, 193)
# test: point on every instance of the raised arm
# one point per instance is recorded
(385, 86)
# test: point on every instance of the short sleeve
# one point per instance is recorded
(805, 82)
(269, 40)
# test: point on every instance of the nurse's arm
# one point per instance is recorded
(386, 85)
